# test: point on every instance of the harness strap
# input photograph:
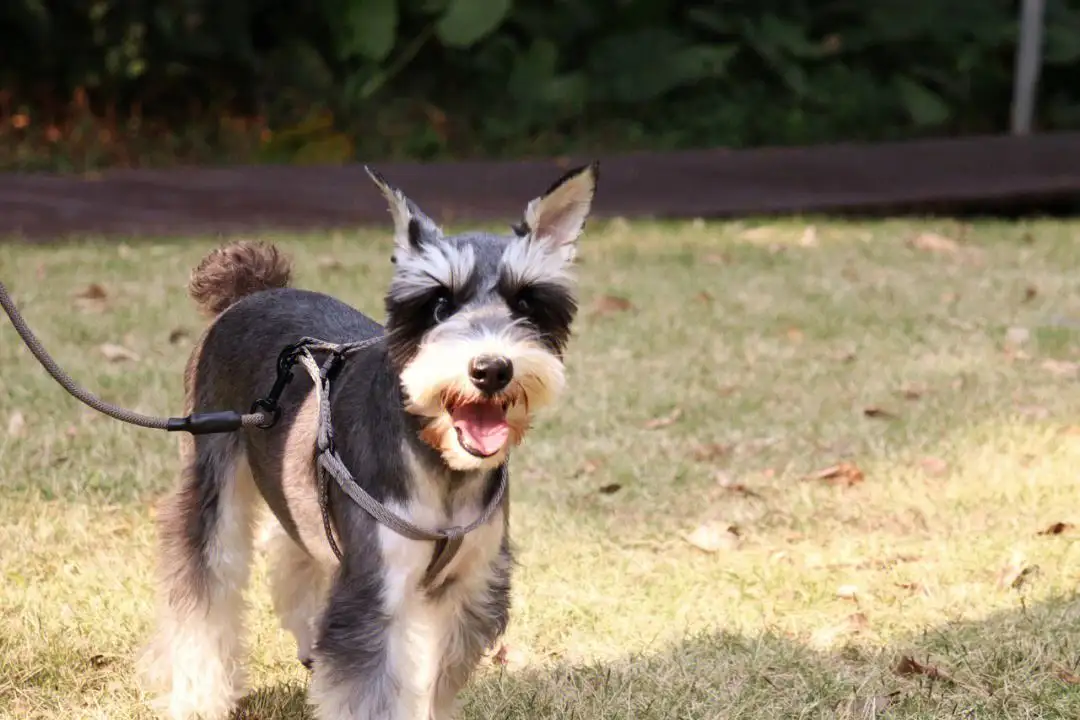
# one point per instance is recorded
(329, 464)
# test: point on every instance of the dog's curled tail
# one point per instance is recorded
(235, 271)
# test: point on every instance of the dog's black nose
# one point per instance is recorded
(490, 373)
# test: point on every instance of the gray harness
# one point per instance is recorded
(329, 466)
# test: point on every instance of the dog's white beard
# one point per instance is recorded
(439, 374)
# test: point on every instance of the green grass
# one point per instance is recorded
(759, 347)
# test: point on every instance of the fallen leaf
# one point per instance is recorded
(809, 237)
(100, 661)
(1016, 573)
(1061, 368)
(795, 335)
(118, 353)
(508, 657)
(714, 537)
(717, 259)
(933, 466)
(1030, 293)
(710, 451)
(881, 413)
(843, 474)
(92, 298)
(847, 592)
(914, 587)
(1068, 677)
(329, 262)
(909, 666)
(664, 421)
(178, 334)
(704, 297)
(728, 484)
(912, 392)
(610, 488)
(762, 232)
(858, 622)
(1057, 528)
(93, 291)
(589, 467)
(873, 706)
(16, 424)
(499, 658)
(933, 242)
(887, 563)
(1017, 335)
(611, 304)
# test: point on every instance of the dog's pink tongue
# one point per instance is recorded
(483, 426)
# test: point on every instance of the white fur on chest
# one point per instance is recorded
(425, 630)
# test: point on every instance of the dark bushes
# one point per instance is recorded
(330, 80)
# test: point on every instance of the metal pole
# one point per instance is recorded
(1028, 64)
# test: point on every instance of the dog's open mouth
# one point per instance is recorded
(481, 426)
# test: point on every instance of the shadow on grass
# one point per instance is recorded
(1019, 663)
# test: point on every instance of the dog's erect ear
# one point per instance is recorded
(558, 216)
(412, 228)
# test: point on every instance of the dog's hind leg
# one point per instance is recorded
(298, 586)
(206, 533)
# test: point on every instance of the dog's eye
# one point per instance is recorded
(443, 308)
(522, 305)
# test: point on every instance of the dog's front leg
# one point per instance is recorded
(370, 660)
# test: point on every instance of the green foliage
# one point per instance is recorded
(464, 22)
(439, 78)
(370, 28)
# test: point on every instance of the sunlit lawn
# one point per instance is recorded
(685, 551)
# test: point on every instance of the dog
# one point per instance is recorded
(425, 419)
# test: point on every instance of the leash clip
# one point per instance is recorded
(269, 403)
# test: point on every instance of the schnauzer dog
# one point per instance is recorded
(425, 419)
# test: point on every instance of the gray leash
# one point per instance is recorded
(196, 424)
(447, 541)
(264, 414)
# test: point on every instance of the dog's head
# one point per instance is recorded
(477, 322)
